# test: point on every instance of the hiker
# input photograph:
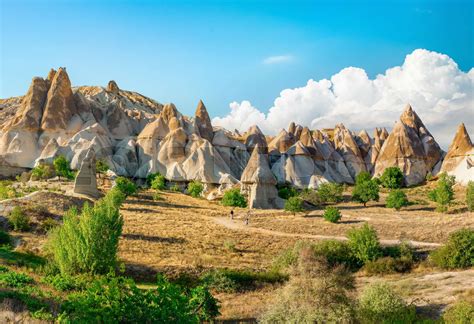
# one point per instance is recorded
(247, 218)
(232, 214)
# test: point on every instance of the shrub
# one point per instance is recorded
(88, 243)
(316, 293)
(225, 280)
(387, 265)
(101, 166)
(443, 194)
(175, 188)
(126, 186)
(7, 190)
(332, 214)
(470, 196)
(119, 300)
(195, 188)
(365, 189)
(287, 192)
(220, 282)
(311, 196)
(158, 182)
(294, 205)
(157, 196)
(396, 199)
(15, 279)
(65, 282)
(460, 312)
(364, 243)
(42, 172)
(336, 253)
(380, 304)
(62, 168)
(234, 198)
(330, 192)
(392, 178)
(19, 220)
(458, 252)
(5, 238)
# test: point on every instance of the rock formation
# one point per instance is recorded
(86, 182)
(259, 180)
(411, 147)
(203, 122)
(459, 161)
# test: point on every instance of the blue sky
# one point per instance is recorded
(222, 51)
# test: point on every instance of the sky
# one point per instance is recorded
(269, 60)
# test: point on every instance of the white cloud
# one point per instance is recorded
(441, 94)
(277, 59)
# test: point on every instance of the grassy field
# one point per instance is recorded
(177, 234)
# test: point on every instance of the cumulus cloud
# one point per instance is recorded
(441, 94)
(277, 59)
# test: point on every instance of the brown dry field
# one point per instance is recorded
(179, 234)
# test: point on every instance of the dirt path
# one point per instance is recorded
(238, 225)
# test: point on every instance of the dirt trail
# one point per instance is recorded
(237, 224)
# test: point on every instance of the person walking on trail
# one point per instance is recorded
(247, 218)
(232, 214)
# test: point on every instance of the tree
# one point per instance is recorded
(158, 182)
(62, 167)
(396, 199)
(458, 252)
(392, 178)
(470, 196)
(365, 189)
(330, 192)
(443, 194)
(364, 243)
(195, 188)
(332, 214)
(294, 205)
(234, 198)
(126, 186)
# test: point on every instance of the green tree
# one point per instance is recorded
(195, 188)
(330, 192)
(88, 242)
(443, 194)
(158, 182)
(396, 199)
(364, 243)
(365, 189)
(62, 167)
(287, 191)
(294, 205)
(470, 196)
(458, 252)
(126, 186)
(392, 178)
(42, 172)
(234, 198)
(332, 214)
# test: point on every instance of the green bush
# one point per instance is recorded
(460, 312)
(19, 220)
(126, 186)
(101, 166)
(88, 243)
(7, 190)
(470, 196)
(287, 191)
(157, 196)
(158, 182)
(458, 252)
(336, 253)
(311, 196)
(62, 168)
(5, 238)
(387, 265)
(65, 282)
(219, 282)
(119, 300)
(42, 172)
(380, 304)
(364, 243)
(392, 178)
(294, 205)
(396, 199)
(365, 189)
(15, 279)
(227, 280)
(332, 214)
(195, 188)
(330, 192)
(234, 198)
(175, 188)
(443, 194)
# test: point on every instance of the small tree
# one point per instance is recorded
(365, 189)
(443, 194)
(392, 178)
(234, 198)
(294, 205)
(62, 167)
(364, 243)
(458, 252)
(42, 172)
(332, 214)
(126, 186)
(195, 188)
(470, 196)
(330, 192)
(396, 199)
(158, 182)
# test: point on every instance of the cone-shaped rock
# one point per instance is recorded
(113, 87)
(459, 161)
(253, 138)
(348, 149)
(281, 143)
(203, 122)
(31, 110)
